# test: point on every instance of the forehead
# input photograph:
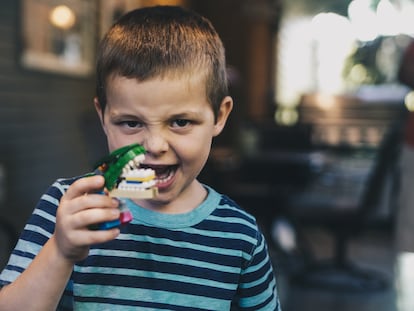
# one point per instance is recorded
(184, 81)
(184, 92)
(193, 75)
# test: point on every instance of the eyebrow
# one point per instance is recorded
(116, 116)
(185, 115)
(190, 114)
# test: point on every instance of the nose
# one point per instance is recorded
(155, 143)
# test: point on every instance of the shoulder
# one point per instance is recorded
(239, 229)
(233, 219)
(228, 208)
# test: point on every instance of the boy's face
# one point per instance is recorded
(173, 120)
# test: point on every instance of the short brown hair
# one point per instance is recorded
(156, 41)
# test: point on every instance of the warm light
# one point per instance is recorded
(322, 21)
(363, 19)
(409, 101)
(386, 19)
(358, 74)
(404, 270)
(313, 50)
(389, 22)
(331, 48)
(286, 116)
(406, 17)
(325, 101)
(62, 17)
(294, 68)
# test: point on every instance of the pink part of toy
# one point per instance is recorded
(125, 217)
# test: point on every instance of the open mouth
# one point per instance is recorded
(136, 181)
(163, 173)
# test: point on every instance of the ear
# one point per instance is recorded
(100, 112)
(226, 106)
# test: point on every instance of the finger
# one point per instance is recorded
(92, 216)
(90, 184)
(87, 201)
(75, 246)
(92, 237)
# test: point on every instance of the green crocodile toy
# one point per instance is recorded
(123, 175)
(125, 179)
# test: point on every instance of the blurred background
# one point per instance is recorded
(319, 147)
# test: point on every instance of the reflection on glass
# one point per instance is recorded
(58, 36)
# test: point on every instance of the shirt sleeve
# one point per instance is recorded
(257, 289)
(35, 234)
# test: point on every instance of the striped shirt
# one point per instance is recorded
(212, 258)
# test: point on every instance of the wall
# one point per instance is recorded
(42, 124)
(47, 125)
(247, 29)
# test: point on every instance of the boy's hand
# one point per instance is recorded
(80, 207)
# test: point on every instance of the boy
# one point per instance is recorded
(161, 83)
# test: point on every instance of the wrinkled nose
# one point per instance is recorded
(155, 144)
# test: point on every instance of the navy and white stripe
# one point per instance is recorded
(212, 258)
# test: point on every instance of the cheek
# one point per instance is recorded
(195, 152)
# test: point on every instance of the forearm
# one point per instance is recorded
(41, 285)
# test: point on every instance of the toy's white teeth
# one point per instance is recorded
(140, 173)
(138, 159)
(133, 164)
(134, 177)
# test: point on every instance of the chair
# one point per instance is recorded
(273, 161)
(345, 219)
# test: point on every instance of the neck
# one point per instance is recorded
(184, 202)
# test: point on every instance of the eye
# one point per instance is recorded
(131, 124)
(181, 123)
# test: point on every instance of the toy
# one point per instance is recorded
(125, 179)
